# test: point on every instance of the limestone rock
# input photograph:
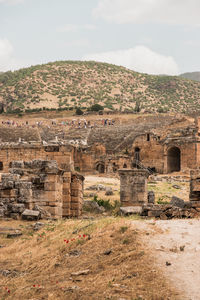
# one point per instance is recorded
(93, 207)
(109, 191)
(82, 272)
(129, 210)
(177, 202)
(30, 215)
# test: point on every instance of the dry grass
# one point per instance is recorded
(43, 259)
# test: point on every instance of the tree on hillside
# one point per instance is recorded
(96, 107)
(79, 111)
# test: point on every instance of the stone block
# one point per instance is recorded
(8, 193)
(30, 215)
(75, 199)
(17, 164)
(17, 208)
(50, 186)
(25, 193)
(7, 184)
(66, 212)
(129, 210)
(155, 213)
(23, 185)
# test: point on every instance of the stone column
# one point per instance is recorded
(195, 186)
(133, 187)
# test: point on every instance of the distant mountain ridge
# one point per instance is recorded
(66, 85)
(191, 75)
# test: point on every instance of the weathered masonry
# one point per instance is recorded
(133, 187)
(41, 186)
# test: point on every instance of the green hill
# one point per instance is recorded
(191, 76)
(69, 84)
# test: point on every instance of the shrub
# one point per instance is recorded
(79, 111)
(96, 107)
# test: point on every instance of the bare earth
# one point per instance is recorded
(178, 243)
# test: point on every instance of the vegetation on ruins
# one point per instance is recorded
(66, 85)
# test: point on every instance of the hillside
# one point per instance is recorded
(191, 76)
(69, 84)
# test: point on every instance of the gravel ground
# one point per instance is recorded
(175, 244)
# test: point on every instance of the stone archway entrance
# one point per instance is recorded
(100, 167)
(173, 160)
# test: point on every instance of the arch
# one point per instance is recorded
(125, 166)
(100, 167)
(173, 160)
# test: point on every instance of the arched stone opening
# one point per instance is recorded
(173, 160)
(125, 166)
(137, 154)
(100, 167)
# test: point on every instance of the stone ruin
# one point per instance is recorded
(135, 198)
(39, 189)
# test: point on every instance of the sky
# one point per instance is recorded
(148, 36)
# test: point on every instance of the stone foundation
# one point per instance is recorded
(40, 185)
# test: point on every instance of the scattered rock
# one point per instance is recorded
(109, 191)
(72, 288)
(168, 263)
(37, 226)
(93, 206)
(182, 248)
(177, 202)
(107, 252)
(83, 272)
(176, 187)
(74, 253)
(9, 273)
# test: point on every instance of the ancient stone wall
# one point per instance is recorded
(26, 152)
(133, 187)
(41, 186)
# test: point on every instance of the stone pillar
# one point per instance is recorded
(133, 187)
(195, 186)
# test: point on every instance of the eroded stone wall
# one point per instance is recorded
(41, 186)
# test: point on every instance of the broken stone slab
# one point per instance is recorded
(30, 215)
(129, 210)
(175, 201)
(82, 272)
(12, 235)
(44, 214)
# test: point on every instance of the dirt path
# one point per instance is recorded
(176, 242)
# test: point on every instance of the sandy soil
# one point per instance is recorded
(176, 242)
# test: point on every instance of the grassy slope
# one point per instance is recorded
(42, 262)
(68, 84)
(191, 76)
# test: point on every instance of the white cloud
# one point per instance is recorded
(140, 59)
(144, 11)
(75, 27)
(8, 60)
